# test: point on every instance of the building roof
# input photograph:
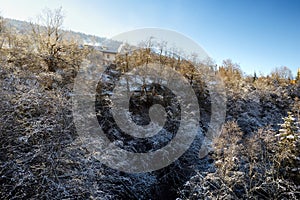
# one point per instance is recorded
(106, 50)
(109, 51)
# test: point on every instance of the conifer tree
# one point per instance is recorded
(298, 75)
(288, 151)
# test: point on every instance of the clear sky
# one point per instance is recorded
(257, 34)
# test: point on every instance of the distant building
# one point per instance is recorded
(109, 56)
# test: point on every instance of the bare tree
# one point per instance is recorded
(282, 72)
(231, 73)
(2, 29)
(57, 49)
(2, 24)
(48, 36)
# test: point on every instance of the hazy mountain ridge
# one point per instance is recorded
(24, 27)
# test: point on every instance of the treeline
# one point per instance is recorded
(45, 47)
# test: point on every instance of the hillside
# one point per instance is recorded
(23, 27)
(43, 155)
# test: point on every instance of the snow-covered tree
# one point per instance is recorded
(288, 129)
(288, 152)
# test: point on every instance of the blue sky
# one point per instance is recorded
(257, 34)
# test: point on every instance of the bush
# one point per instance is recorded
(246, 168)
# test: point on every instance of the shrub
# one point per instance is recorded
(255, 166)
(288, 150)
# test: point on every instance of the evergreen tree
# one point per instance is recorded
(288, 151)
(254, 77)
(298, 75)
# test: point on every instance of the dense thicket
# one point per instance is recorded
(256, 156)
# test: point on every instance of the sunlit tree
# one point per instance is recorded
(56, 50)
(282, 72)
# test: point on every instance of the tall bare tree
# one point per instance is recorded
(2, 29)
(48, 36)
(56, 48)
(282, 72)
